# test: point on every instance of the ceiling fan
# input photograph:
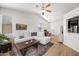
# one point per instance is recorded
(46, 7)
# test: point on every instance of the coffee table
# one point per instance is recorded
(22, 47)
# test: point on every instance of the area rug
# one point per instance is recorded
(41, 50)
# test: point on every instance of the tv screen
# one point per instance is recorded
(34, 34)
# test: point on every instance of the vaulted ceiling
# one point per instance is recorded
(58, 9)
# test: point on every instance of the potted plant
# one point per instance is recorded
(3, 37)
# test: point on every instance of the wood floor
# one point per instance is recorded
(59, 49)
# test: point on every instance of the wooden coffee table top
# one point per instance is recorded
(23, 45)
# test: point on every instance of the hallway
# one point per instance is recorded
(59, 49)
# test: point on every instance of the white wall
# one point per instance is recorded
(56, 25)
(0, 24)
(71, 39)
(32, 20)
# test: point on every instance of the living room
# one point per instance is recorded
(31, 21)
(27, 26)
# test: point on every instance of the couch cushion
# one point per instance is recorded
(44, 40)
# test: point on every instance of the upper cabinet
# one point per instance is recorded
(73, 24)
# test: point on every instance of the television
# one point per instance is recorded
(33, 33)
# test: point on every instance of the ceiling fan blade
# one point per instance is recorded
(48, 10)
(48, 5)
